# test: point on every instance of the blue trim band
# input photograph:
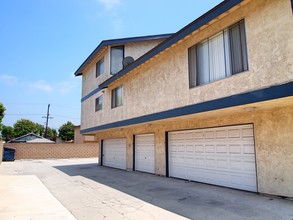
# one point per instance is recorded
(274, 92)
(90, 94)
(199, 22)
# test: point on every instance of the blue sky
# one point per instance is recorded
(43, 42)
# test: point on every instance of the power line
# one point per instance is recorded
(27, 103)
(20, 114)
(63, 116)
(22, 103)
(68, 107)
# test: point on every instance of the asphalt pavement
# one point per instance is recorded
(79, 188)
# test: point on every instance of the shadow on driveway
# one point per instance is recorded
(189, 199)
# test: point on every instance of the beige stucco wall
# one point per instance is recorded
(273, 142)
(162, 83)
(274, 151)
(1, 151)
(89, 79)
(135, 49)
(78, 138)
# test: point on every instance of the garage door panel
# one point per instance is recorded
(233, 133)
(248, 149)
(209, 135)
(190, 148)
(114, 153)
(210, 149)
(235, 148)
(198, 135)
(223, 164)
(235, 164)
(221, 148)
(221, 134)
(199, 162)
(199, 148)
(210, 162)
(247, 132)
(224, 156)
(249, 166)
(190, 161)
(145, 153)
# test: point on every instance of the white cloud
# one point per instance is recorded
(118, 27)
(110, 4)
(68, 86)
(8, 79)
(112, 16)
(41, 85)
(65, 87)
(14, 81)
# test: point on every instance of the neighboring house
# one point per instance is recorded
(211, 103)
(82, 139)
(78, 138)
(30, 138)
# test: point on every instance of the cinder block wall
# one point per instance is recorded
(58, 151)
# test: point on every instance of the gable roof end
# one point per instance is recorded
(105, 43)
(26, 135)
(193, 26)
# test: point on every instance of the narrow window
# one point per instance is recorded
(117, 55)
(117, 94)
(100, 67)
(219, 56)
(99, 103)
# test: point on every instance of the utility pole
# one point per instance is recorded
(47, 120)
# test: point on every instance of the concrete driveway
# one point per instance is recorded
(90, 191)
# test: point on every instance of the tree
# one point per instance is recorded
(2, 112)
(25, 126)
(7, 133)
(51, 134)
(39, 129)
(66, 131)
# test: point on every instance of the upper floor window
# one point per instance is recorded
(117, 94)
(219, 56)
(99, 103)
(117, 55)
(100, 67)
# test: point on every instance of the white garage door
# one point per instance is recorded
(145, 153)
(222, 156)
(114, 153)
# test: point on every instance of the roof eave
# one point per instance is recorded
(78, 72)
(196, 24)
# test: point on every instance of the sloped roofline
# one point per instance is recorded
(193, 26)
(104, 43)
(173, 39)
(15, 139)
